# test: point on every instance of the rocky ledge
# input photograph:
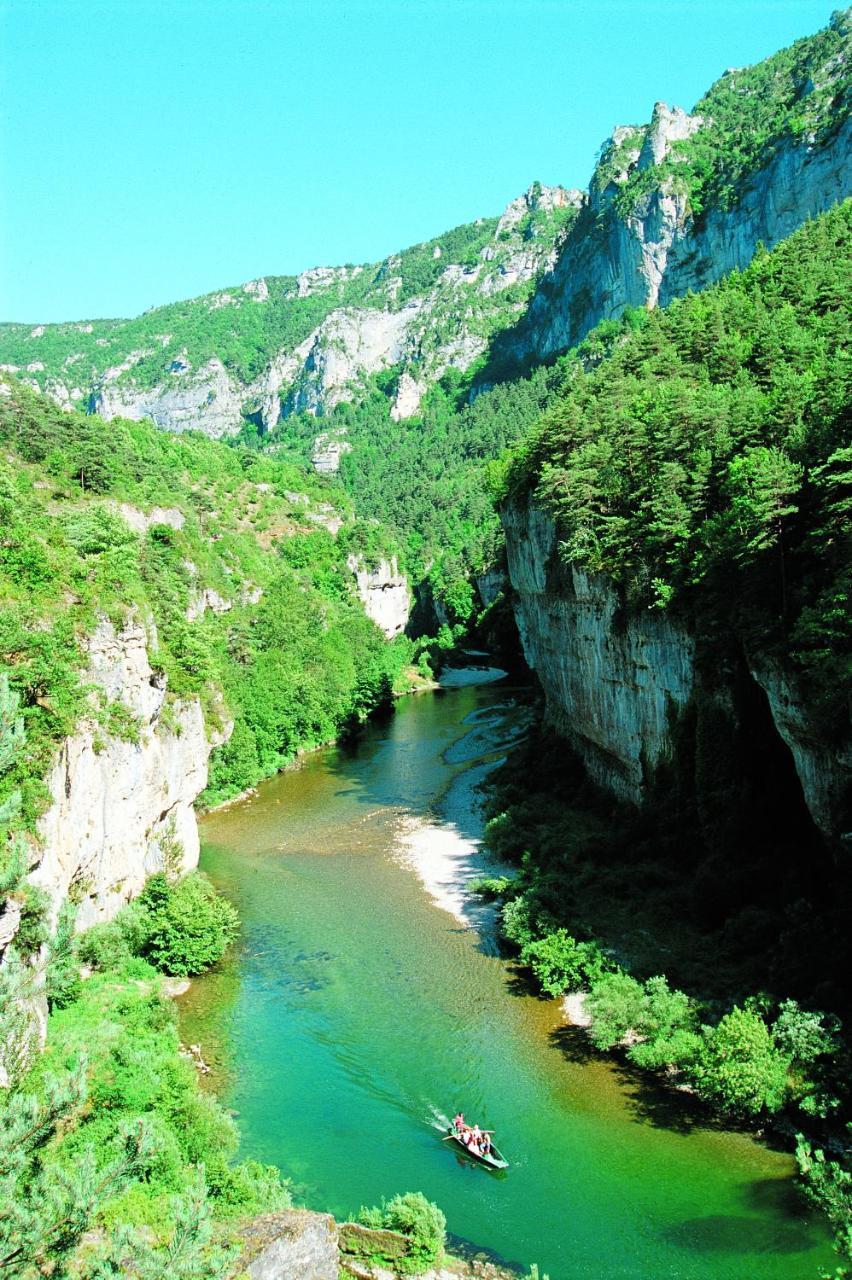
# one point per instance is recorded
(297, 1244)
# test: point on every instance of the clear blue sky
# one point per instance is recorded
(151, 150)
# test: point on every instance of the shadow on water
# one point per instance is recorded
(778, 1196)
(520, 982)
(731, 1233)
(470, 1252)
(573, 1044)
(649, 1101)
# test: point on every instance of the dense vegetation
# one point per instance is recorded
(704, 465)
(283, 633)
(112, 1159)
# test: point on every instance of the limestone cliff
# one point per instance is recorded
(618, 682)
(120, 804)
(384, 594)
(323, 335)
(611, 683)
(639, 240)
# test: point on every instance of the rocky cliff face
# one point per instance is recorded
(659, 250)
(205, 399)
(384, 594)
(121, 807)
(365, 320)
(617, 682)
(611, 684)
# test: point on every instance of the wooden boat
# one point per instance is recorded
(492, 1161)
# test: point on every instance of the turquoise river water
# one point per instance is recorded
(366, 1001)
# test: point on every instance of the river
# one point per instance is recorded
(366, 1001)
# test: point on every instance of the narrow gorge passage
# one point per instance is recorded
(364, 1002)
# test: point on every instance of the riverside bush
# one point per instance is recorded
(659, 1024)
(561, 963)
(417, 1218)
(179, 928)
(739, 1067)
(827, 1182)
(190, 925)
(616, 1005)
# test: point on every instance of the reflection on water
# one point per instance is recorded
(365, 1001)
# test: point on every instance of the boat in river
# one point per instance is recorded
(494, 1159)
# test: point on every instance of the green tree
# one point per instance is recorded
(616, 1005)
(828, 1183)
(561, 963)
(739, 1067)
(190, 926)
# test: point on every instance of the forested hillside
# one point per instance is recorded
(704, 464)
(227, 555)
(283, 343)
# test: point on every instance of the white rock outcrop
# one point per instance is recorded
(384, 594)
(206, 599)
(294, 1244)
(348, 346)
(329, 448)
(117, 805)
(141, 521)
(205, 399)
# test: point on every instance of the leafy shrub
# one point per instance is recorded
(804, 1034)
(95, 529)
(828, 1183)
(616, 1004)
(417, 1218)
(191, 925)
(112, 944)
(561, 963)
(518, 921)
(249, 1188)
(658, 1023)
(667, 1026)
(490, 887)
(739, 1067)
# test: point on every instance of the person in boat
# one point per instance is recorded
(458, 1122)
(486, 1144)
(474, 1142)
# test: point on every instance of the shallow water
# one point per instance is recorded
(366, 1002)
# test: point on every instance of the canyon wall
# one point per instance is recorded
(618, 681)
(612, 260)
